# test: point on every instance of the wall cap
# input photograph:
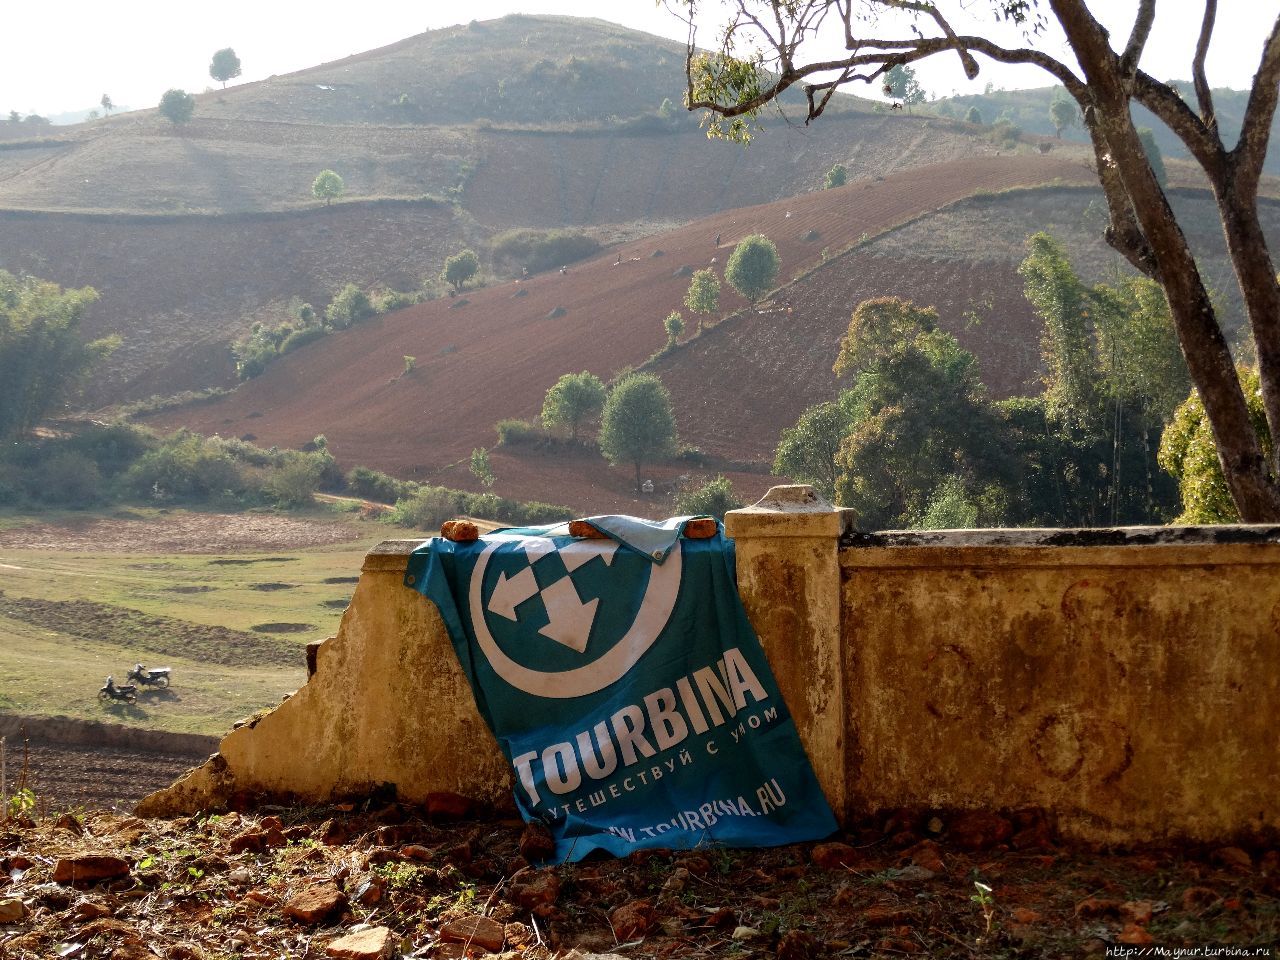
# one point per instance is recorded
(1226, 534)
(789, 510)
(390, 555)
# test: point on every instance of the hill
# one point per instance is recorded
(496, 356)
(194, 233)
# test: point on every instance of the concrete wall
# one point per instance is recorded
(1125, 681)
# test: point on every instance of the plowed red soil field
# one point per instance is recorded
(495, 354)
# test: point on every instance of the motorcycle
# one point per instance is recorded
(109, 691)
(154, 677)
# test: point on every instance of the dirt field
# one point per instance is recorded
(179, 533)
(496, 355)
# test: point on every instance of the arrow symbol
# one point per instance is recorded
(569, 620)
(510, 592)
(576, 554)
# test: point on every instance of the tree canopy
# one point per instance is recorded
(42, 355)
(573, 400)
(327, 186)
(177, 106)
(791, 40)
(224, 66)
(460, 268)
(638, 425)
(753, 266)
(703, 295)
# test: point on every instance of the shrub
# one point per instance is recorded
(378, 486)
(715, 498)
(112, 448)
(67, 478)
(512, 432)
(183, 467)
(426, 508)
(300, 338)
(349, 305)
(294, 482)
(837, 176)
(534, 512)
(753, 266)
(543, 249)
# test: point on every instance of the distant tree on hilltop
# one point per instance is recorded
(638, 425)
(1063, 113)
(327, 186)
(107, 105)
(703, 295)
(460, 268)
(177, 106)
(973, 116)
(225, 66)
(837, 176)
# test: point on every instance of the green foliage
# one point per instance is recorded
(427, 508)
(974, 115)
(481, 468)
(638, 424)
(68, 478)
(460, 268)
(177, 106)
(807, 452)
(42, 356)
(714, 498)
(327, 186)
(573, 400)
(536, 250)
(1154, 156)
(300, 338)
(837, 176)
(703, 295)
(1063, 112)
(184, 468)
(727, 80)
(1006, 134)
(409, 364)
(349, 306)
(753, 266)
(900, 83)
(512, 432)
(673, 324)
(1188, 452)
(294, 482)
(224, 66)
(378, 486)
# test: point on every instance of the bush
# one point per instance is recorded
(714, 498)
(349, 305)
(378, 486)
(300, 338)
(112, 448)
(294, 483)
(512, 432)
(427, 508)
(183, 467)
(68, 479)
(534, 512)
(543, 249)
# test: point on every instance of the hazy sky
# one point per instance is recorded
(62, 55)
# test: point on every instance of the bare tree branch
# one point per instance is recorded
(1255, 133)
(1203, 96)
(1138, 38)
(1203, 142)
(966, 59)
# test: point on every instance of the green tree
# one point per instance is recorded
(460, 268)
(837, 176)
(807, 452)
(753, 266)
(1188, 453)
(481, 468)
(107, 105)
(714, 498)
(43, 357)
(327, 186)
(974, 115)
(674, 325)
(638, 425)
(293, 482)
(573, 400)
(177, 106)
(703, 295)
(15, 116)
(224, 66)
(1063, 113)
(901, 84)
(789, 44)
(349, 305)
(1154, 156)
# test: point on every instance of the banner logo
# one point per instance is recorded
(570, 620)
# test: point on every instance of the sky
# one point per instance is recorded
(63, 55)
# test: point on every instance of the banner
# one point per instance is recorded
(623, 681)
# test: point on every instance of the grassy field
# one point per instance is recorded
(233, 626)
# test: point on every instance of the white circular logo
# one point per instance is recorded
(570, 620)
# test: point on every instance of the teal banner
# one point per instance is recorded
(623, 681)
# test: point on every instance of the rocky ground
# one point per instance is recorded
(381, 879)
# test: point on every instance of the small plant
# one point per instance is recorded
(987, 902)
(21, 803)
(409, 364)
(481, 468)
